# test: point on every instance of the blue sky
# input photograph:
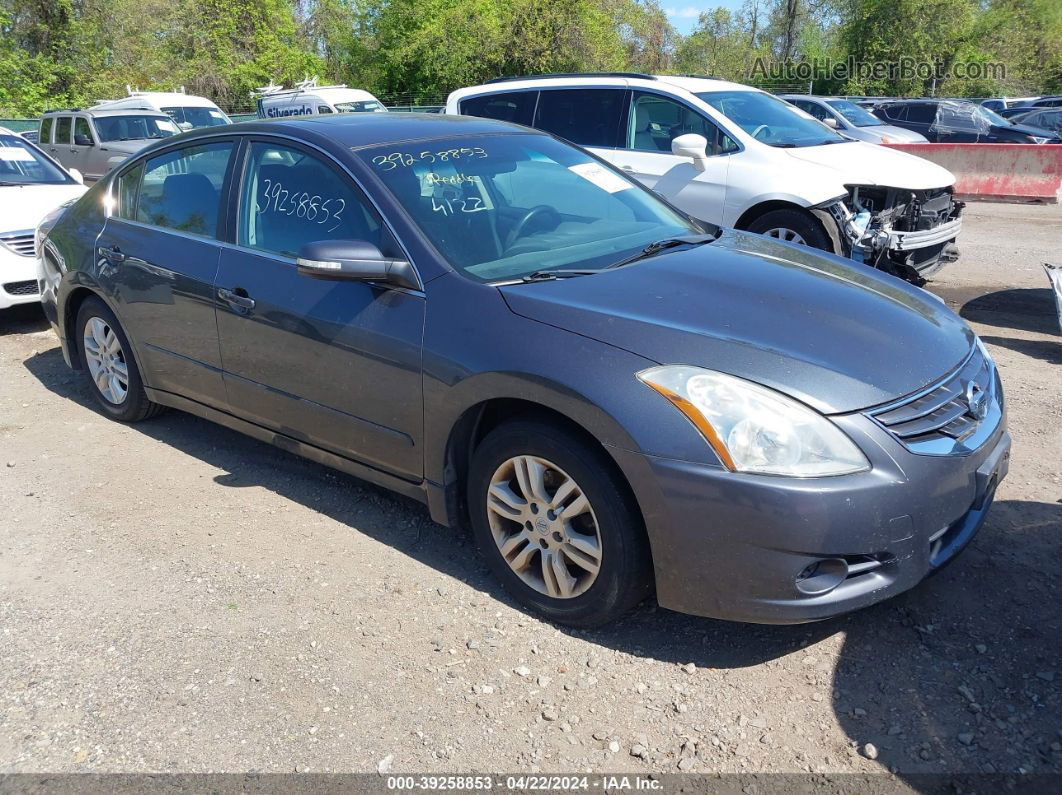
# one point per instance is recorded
(683, 13)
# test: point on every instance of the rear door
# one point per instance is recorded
(62, 140)
(159, 254)
(654, 121)
(333, 363)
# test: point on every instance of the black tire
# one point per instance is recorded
(624, 577)
(135, 406)
(796, 220)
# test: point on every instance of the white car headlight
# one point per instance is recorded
(755, 429)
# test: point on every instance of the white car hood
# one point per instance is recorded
(23, 207)
(859, 163)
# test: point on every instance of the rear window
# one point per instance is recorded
(517, 107)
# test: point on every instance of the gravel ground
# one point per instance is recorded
(176, 597)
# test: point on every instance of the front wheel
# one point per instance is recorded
(107, 361)
(792, 226)
(557, 525)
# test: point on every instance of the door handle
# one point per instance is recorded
(112, 254)
(237, 299)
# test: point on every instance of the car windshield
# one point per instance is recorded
(365, 106)
(771, 120)
(22, 164)
(855, 114)
(134, 128)
(192, 118)
(499, 208)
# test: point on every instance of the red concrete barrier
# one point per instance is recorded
(998, 172)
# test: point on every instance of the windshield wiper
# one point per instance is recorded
(5, 184)
(662, 245)
(560, 273)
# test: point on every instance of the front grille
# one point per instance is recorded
(21, 288)
(946, 413)
(19, 242)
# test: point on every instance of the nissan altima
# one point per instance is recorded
(616, 398)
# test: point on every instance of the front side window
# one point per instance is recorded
(82, 132)
(585, 116)
(323, 109)
(656, 121)
(134, 128)
(770, 120)
(192, 118)
(22, 164)
(814, 109)
(517, 107)
(499, 207)
(62, 130)
(45, 135)
(181, 189)
(853, 113)
(361, 106)
(291, 198)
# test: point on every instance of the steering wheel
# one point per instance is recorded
(758, 130)
(522, 224)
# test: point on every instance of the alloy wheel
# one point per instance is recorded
(787, 235)
(544, 526)
(106, 360)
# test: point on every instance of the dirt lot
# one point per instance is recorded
(176, 597)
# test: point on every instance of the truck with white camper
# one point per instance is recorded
(309, 99)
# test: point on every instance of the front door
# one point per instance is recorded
(159, 256)
(336, 364)
(655, 121)
(82, 147)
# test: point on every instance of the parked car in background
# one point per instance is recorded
(1044, 102)
(310, 99)
(737, 156)
(957, 121)
(188, 111)
(95, 140)
(618, 399)
(29, 135)
(852, 121)
(31, 186)
(1049, 118)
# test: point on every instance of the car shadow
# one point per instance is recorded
(404, 524)
(1022, 309)
(22, 319)
(1050, 352)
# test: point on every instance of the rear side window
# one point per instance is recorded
(517, 107)
(128, 188)
(45, 136)
(921, 114)
(62, 130)
(586, 116)
(181, 190)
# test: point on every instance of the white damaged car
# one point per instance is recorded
(32, 185)
(741, 157)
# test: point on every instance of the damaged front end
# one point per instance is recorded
(908, 233)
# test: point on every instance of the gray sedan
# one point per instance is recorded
(853, 121)
(618, 399)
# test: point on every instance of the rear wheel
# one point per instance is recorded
(792, 226)
(557, 525)
(108, 363)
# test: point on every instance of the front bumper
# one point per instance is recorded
(18, 279)
(732, 546)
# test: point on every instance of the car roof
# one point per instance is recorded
(690, 83)
(142, 111)
(355, 130)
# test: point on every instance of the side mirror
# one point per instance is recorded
(831, 122)
(82, 140)
(694, 147)
(355, 260)
(79, 178)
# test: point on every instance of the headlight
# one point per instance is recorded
(984, 351)
(888, 139)
(1037, 140)
(755, 429)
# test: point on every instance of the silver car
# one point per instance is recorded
(853, 121)
(95, 141)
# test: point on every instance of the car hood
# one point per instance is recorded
(859, 163)
(128, 147)
(900, 134)
(1028, 129)
(837, 336)
(23, 207)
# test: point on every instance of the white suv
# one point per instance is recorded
(737, 156)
